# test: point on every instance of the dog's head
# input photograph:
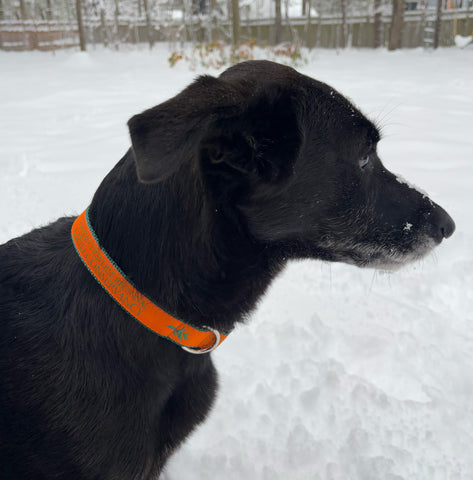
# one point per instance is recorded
(294, 162)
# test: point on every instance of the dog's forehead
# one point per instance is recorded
(325, 107)
(337, 118)
(260, 71)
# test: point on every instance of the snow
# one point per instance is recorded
(401, 179)
(342, 373)
(294, 9)
(462, 42)
(266, 9)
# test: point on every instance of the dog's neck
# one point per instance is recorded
(179, 249)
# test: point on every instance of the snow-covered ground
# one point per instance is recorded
(342, 374)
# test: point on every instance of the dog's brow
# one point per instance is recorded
(376, 135)
(373, 134)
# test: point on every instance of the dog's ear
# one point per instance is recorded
(165, 136)
(232, 123)
(263, 139)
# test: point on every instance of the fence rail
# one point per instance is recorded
(322, 32)
(41, 35)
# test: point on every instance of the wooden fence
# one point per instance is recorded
(321, 32)
(43, 35)
(326, 32)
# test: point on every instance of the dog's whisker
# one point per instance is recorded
(383, 115)
(373, 278)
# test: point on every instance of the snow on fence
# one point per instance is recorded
(37, 35)
(322, 32)
(326, 32)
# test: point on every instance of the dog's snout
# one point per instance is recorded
(442, 223)
(447, 226)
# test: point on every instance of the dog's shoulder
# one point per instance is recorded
(33, 263)
(43, 241)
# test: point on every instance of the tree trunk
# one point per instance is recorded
(395, 32)
(469, 30)
(378, 24)
(344, 38)
(115, 33)
(438, 24)
(236, 22)
(277, 23)
(23, 10)
(49, 10)
(103, 26)
(292, 32)
(213, 21)
(80, 25)
(318, 38)
(308, 6)
(149, 30)
(2, 13)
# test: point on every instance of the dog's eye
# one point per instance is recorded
(363, 161)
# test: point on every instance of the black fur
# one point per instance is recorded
(224, 183)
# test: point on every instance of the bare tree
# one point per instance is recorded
(378, 24)
(80, 25)
(395, 32)
(103, 24)
(438, 24)
(344, 39)
(318, 8)
(292, 31)
(23, 10)
(199, 6)
(49, 10)
(277, 23)
(213, 21)
(236, 22)
(307, 7)
(116, 15)
(149, 27)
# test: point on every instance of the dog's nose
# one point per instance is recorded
(449, 227)
(443, 223)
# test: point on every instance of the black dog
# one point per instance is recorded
(224, 183)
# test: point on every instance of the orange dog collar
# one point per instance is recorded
(115, 283)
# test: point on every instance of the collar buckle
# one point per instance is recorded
(197, 351)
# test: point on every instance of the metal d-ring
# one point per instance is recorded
(196, 351)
